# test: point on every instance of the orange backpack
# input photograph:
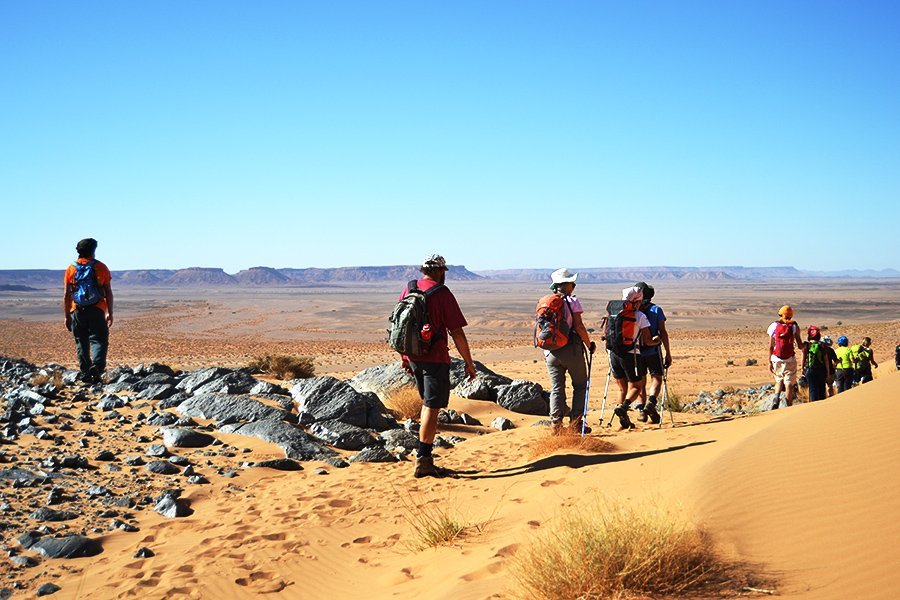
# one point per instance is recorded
(551, 329)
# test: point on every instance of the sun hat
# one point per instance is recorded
(632, 294)
(786, 312)
(434, 261)
(563, 276)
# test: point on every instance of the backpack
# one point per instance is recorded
(551, 328)
(87, 290)
(410, 315)
(784, 339)
(815, 354)
(620, 326)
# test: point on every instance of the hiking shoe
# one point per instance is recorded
(650, 411)
(575, 427)
(93, 375)
(642, 415)
(425, 467)
(556, 427)
(624, 421)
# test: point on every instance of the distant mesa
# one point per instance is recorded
(195, 276)
(261, 276)
(17, 288)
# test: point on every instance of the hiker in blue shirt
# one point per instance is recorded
(652, 355)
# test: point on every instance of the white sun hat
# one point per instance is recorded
(563, 276)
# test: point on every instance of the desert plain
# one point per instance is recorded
(806, 496)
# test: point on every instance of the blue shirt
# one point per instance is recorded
(656, 316)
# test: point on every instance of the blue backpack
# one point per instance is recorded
(87, 290)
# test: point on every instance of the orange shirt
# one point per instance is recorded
(103, 278)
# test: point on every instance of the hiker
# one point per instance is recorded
(652, 355)
(897, 357)
(88, 309)
(816, 364)
(846, 360)
(431, 370)
(568, 358)
(784, 334)
(832, 362)
(865, 360)
(627, 365)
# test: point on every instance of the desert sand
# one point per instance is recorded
(806, 495)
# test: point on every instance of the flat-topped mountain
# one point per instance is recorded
(268, 276)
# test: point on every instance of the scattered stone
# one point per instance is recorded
(341, 435)
(524, 397)
(181, 437)
(144, 552)
(172, 507)
(280, 464)
(51, 514)
(502, 424)
(297, 444)
(47, 589)
(162, 467)
(373, 454)
(218, 407)
(73, 546)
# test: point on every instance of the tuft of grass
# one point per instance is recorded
(405, 403)
(750, 362)
(675, 403)
(729, 363)
(567, 440)
(55, 378)
(608, 549)
(437, 522)
(284, 367)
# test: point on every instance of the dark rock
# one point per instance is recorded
(144, 552)
(502, 424)
(47, 589)
(218, 407)
(24, 561)
(73, 546)
(162, 467)
(374, 454)
(197, 480)
(382, 380)
(179, 437)
(122, 525)
(297, 444)
(173, 508)
(337, 462)
(524, 397)
(327, 398)
(200, 377)
(280, 464)
(400, 438)
(159, 391)
(172, 401)
(181, 461)
(134, 461)
(50, 514)
(235, 382)
(161, 419)
(97, 491)
(264, 388)
(105, 456)
(468, 419)
(341, 435)
(28, 539)
(156, 450)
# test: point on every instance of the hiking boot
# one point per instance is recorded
(425, 467)
(556, 427)
(624, 421)
(93, 375)
(575, 427)
(650, 411)
(642, 415)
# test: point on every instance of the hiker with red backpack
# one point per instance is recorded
(784, 339)
(426, 316)
(626, 329)
(88, 309)
(559, 330)
(816, 364)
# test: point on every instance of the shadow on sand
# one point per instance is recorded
(572, 461)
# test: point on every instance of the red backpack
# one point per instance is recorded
(551, 329)
(784, 339)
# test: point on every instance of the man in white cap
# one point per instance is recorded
(432, 369)
(625, 361)
(569, 358)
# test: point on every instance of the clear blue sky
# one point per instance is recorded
(500, 134)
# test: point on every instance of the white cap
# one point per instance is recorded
(563, 276)
(632, 294)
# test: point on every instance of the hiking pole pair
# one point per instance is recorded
(665, 405)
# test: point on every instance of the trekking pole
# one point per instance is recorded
(666, 393)
(587, 390)
(605, 390)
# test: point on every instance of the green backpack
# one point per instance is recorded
(816, 354)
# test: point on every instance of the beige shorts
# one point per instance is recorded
(785, 369)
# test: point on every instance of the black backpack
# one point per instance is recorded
(410, 315)
(620, 326)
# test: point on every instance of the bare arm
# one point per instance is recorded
(578, 326)
(107, 289)
(67, 300)
(462, 345)
(664, 336)
(647, 339)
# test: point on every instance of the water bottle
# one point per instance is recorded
(426, 333)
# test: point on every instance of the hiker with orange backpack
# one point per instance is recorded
(626, 329)
(784, 335)
(88, 308)
(560, 332)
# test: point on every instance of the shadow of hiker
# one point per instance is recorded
(573, 461)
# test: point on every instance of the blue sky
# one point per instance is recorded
(500, 134)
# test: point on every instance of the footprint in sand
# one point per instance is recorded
(340, 503)
(550, 482)
(534, 524)
(509, 550)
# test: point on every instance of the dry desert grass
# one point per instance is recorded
(405, 403)
(567, 439)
